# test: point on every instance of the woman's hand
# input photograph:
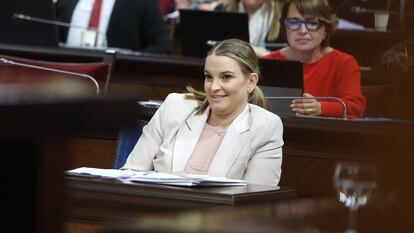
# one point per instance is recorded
(306, 106)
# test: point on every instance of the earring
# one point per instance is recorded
(248, 90)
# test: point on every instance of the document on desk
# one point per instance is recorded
(151, 103)
(169, 179)
(100, 173)
(130, 176)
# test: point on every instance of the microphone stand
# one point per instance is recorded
(345, 111)
(5, 61)
(47, 21)
(362, 10)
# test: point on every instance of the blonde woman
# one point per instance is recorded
(223, 131)
(264, 16)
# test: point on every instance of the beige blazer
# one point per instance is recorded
(250, 150)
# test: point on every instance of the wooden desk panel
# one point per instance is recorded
(90, 152)
(33, 138)
(313, 147)
(108, 200)
(52, 54)
(155, 76)
(366, 46)
(299, 215)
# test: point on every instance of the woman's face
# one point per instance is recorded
(304, 39)
(225, 86)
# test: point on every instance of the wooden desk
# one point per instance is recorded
(155, 76)
(312, 149)
(295, 216)
(144, 76)
(96, 200)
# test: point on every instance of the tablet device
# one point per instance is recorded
(281, 78)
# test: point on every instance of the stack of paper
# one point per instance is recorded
(169, 179)
(151, 103)
(100, 173)
(129, 176)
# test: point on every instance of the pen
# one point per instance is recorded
(84, 175)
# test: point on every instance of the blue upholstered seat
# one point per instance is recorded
(127, 138)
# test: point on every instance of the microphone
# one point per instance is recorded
(345, 111)
(22, 17)
(4, 61)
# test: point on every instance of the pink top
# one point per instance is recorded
(205, 150)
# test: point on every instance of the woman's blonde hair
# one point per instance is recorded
(274, 29)
(244, 55)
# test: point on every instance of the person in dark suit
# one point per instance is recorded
(133, 24)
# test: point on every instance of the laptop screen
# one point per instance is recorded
(199, 30)
(24, 32)
(281, 78)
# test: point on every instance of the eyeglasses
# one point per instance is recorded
(310, 24)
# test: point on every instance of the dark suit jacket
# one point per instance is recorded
(134, 24)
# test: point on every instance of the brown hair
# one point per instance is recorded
(244, 55)
(274, 29)
(315, 8)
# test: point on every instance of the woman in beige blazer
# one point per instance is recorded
(223, 131)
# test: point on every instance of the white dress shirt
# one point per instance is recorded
(80, 19)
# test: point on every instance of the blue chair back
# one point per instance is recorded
(127, 138)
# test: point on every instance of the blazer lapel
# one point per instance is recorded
(187, 138)
(236, 138)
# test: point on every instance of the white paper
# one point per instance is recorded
(188, 180)
(130, 176)
(106, 173)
